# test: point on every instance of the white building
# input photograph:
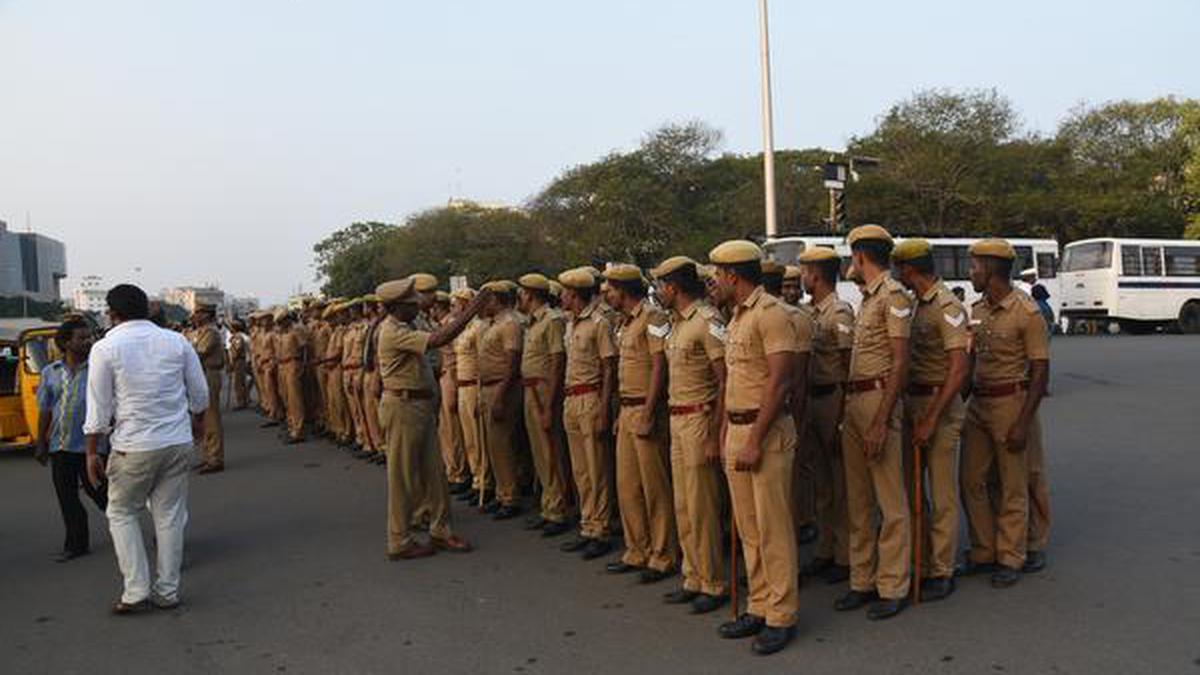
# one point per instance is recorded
(188, 297)
(89, 296)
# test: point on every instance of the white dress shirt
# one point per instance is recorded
(142, 383)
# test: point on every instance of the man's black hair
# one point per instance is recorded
(585, 294)
(1001, 267)
(1039, 292)
(829, 270)
(66, 330)
(747, 271)
(923, 264)
(773, 283)
(128, 302)
(541, 295)
(634, 289)
(878, 251)
(687, 281)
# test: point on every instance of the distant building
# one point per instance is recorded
(31, 265)
(90, 295)
(241, 306)
(188, 297)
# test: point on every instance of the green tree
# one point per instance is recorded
(350, 261)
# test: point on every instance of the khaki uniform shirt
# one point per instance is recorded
(886, 313)
(639, 339)
(352, 345)
(589, 340)
(803, 320)
(1008, 335)
(320, 341)
(497, 341)
(402, 361)
(760, 327)
(290, 346)
(543, 339)
(833, 332)
(333, 351)
(939, 325)
(237, 348)
(697, 338)
(207, 342)
(466, 356)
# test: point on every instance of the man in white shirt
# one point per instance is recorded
(147, 391)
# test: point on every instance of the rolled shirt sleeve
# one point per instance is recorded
(101, 393)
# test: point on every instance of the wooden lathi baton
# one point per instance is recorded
(918, 513)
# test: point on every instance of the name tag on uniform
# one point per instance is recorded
(900, 313)
(718, 331)
(659, 332)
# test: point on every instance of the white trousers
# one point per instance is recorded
(158, 480)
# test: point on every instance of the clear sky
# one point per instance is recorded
(217, 140)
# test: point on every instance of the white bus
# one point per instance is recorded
(1141, 284)
(950, 258)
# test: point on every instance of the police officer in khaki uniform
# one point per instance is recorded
(695, 348)
(290, 359)
(500, 393)
(792, 290)
(833, 338)
(934, 412)
(466, 369)
(238, 353)
(450, 436)
(1012, 362)
(880, 557)
(352, 349)
(407, 414)
(643, 472)
(589, 385)
(372, 384)
(337, 413)
(543, 360)
(206, 340)
(320, 330)
(760, 445)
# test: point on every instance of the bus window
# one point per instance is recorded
(1095, 255)
(1182, 261)
(786, 252)
(1152, 261)
(1131, 260)
(952, 263)
(1047, 265)
(1024, 260)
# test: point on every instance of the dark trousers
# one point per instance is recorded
(69, 470)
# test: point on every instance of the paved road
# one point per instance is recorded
(286, 571)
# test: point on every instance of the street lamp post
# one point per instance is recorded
(768, 126)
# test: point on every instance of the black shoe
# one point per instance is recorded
(363, 454)
(771, 640)
(743, 627)
(705, 603)
(67, 556)
(490, 506)
(506, 512)
(806, 535)
(620, 567)
(653, 576)
(1005, 576)
(459, 488)
(596, 548)
(679, 596)
(535, 522)
(268, 424)
(380, 459)
(552, 529)
(837, 574)
(937, 588)
(970, 568)
(816, 567)
(1035, 561)
(577, 544)
(470, 497)
(853, 600)
(294, 441)
(886, 608)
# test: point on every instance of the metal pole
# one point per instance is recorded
(768, 126)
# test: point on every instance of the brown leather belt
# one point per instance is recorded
(410, 394)
(821, 390)
(687, 409)
(630, 401)
(871, 384)
(531, 381)
(351, 366)
(996, 390)
(742, 416)
(919, 389)
(288, 360)
(580, 389)
(466, 383)
(490, 383)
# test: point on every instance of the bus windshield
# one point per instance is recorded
(1093, 255)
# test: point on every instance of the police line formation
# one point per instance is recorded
(708, 406)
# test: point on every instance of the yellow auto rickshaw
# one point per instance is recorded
(26, 346)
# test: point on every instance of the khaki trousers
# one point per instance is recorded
(939, 490)
(998, 530)
(498, 441)
(823, 440)
(241, 392)
(416, 478)
(450, 433)
(214, 435)
(1039, 488)
(880, 555)
(352, 390)
(270, 391)
(372, 390)
(644, 495)
(762, 510)
(335, 400)
(590, 463)
(468, 417)
(698, 503)
(293, 380)
(546, 458)
(804, 479)
(312, 395)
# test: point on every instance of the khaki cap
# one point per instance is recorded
(818, 254)
(442, 297)
(281, 314)
(735, 251)
(423, 282)
(580, 277)
(399, 290)
(771, 267)
(330, 312)
(671, 265)
(370, 298)
(705, 272)
(993, 248)
(464, 294)
(867, 233)
(592, 271)
(624, 272)
(791, 272)
(499, 286)
(556, 288)
(911, 249)
(535, 281)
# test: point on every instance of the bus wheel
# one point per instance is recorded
(1189, 317)
(1137, 327)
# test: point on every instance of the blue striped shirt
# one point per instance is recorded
(63, 396)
